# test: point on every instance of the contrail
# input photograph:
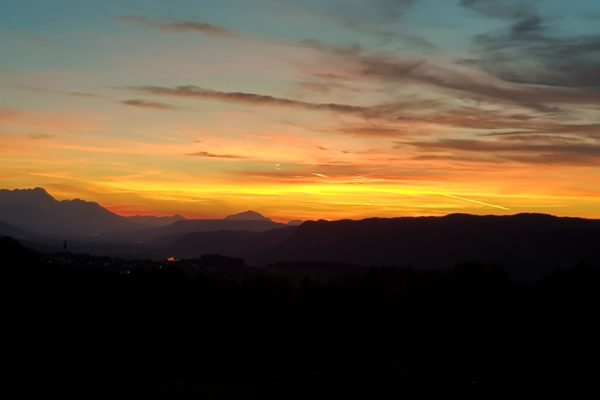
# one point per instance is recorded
(475, 201)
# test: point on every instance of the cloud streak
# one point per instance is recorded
(153, 105)
(529, 51)
(566, 67)
(475, 202)
(454, 80)
(195, 92)
(182, 26)
(505, 9)
(214, 155)
(538, 151)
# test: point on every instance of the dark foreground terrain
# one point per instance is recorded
(87, 327)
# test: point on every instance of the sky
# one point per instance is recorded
(304, 109)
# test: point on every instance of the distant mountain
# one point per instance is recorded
(529, 245)
(37, 211)
(247, 216)
(152, 221)
(34, 213)
(211, 225)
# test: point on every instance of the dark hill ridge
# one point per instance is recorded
(527, 244)
(231, 243)
(208, 225)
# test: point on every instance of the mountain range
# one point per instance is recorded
(528, 245)
(34, 213)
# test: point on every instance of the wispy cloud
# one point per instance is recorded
(372, 130)
(564, 62)
(348, 65)
(543, 150)
(248, 98)
(148, 104)
(214, 155)
(483, 203)
(529, 51)
(507, 9)
(181, 26)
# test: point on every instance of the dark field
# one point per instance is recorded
(94, 328)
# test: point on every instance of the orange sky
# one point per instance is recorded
(302, 113)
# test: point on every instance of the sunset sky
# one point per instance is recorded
(304, 109)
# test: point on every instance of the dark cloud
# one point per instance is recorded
(359, 62)
(457, 158)
(393, 8)
(523, 53)
(379, 18)
(148, 104)
(528, 55)
(506, 124)
(533, 150)
(249, 98)
(391, 70)
(181, 26)
(408, 119)
(529, 66)
(81, 94)
(531, 50)
(213, 155)
(591, 131)
(538, 138)
(389, 33)
(541, 99)
(507, 9)
(374, 130)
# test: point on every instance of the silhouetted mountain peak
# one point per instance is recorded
(295, 222)
(247, 216)
(37, 189)
(37, 194)
(35, 210)
(82, 203)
